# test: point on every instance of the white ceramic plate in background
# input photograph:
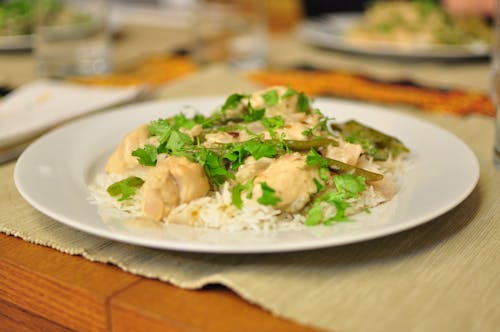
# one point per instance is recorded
(329, 31)
(53, 173)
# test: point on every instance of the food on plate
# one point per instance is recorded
(17, 17)
(260, 161)
(418, 22)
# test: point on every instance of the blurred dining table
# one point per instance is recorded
(47, 286)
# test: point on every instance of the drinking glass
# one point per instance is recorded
(231, 31)
(495, 65)
(72, 38)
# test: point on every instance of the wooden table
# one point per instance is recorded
(42, 289)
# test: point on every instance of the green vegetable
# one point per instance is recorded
(259, 149)
(313, 158)
(303, 104)
(178, 141)
(271, 97)
(214, 166)
(377, 144)
(289, 92)
(348, 186)
(274, 122)
(238, 189)
(232, 101)
(126, 187)
(253, 114)
(146, 156)
(268, 195)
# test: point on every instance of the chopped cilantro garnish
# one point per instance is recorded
(271, 97)
(180, 121)
(160, 128)
(348, 186)
(289, 92)
(268, 195)
(232, 101)
(253, 114)
(235, 154)
(314, 215)
(178, 141)
(260, 149)
(146, 156)
(319, 185)
(238, 189)
(303, 103)
(274, 122)
(214, 166)
(126, 187)
(313, 158)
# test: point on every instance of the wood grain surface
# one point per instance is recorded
(42, 289)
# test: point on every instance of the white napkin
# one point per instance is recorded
(42, 104)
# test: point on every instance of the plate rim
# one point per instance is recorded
(215, 248)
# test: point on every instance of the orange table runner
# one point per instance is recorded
(156, 71)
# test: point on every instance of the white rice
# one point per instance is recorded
(216, 210)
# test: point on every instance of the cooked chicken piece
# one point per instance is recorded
(122, 160)
(193, 132)
(251, 168)
(346, 152)
(292, 180)
(173, 181)
(284, 106)
(160, 194)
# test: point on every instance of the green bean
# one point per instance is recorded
(297, 145)
(346, 168)
(384, 144)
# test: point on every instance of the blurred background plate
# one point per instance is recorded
(329, 31)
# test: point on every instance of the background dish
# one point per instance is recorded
(53, 174)
(329, 32)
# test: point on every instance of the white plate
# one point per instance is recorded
(53, 173)
(16, 42)
(329, 32)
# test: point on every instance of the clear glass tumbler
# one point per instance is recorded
(233, 32)
(72, 38)
(495, 89)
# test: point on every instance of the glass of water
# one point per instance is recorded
(72, 38)
(495, 91)
(233, 32)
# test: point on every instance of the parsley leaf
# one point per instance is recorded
(260, 149)
(274, 122)
(271, 97)
(289, 92)
(314, 215)
(146, 156)
(238, 189)
(268, 195)
(214, 166)
(126, 187)
(349, 184)
(303, 104)
(253, 114)
(160, 128)
(235, 154)
(180, 121)
(232, 101)
(178, 141)
(313, 158)
(319, 185)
